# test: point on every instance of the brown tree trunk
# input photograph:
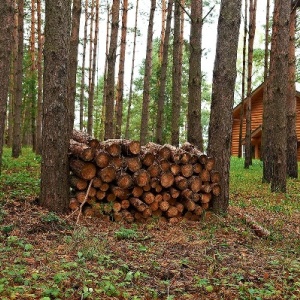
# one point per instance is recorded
(176, 76)
(120, 87)
(147, 78)
(82, 85)
(224, 76)
(132, 72)
(163, 77)
(90, 109)
(163, 29)
(275, 136)
(6, 29)
(55, 169)
(194, 132)
(40, 80)
(252, 27)
(74, 41)
(240, 154)
(110, 80)
(17, 112)
(291, 158)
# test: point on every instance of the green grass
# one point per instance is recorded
(45, 256)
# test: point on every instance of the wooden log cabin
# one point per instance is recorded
(256, 124)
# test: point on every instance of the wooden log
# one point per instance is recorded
(205, 175)
(180, 207)
(104, 187)
(172, 212)
(210, 163)
(154, 170)
(147, 213)
(198, 210)
(128, 217)
(191, 149)
(112, 146)
(147, 187)
(97, 182)
(174, 192)
(165, 196)
(181, 182)
(164, 165)
(147, 159)
(130, 147)
(148, 197)
(124, 180)
(205, 206)
(195, 183)
(158, 197)
(197, 167)
(157, 213)
(81, 150)
(74, 204)
(137, 191)
(125, 204)
(175, 169)
(203, 159)
(187, 170)
(205, 197)
(164, 151)
(166, 179)
(141, 178)
(111, 197)
(215, 189)
(88, 212)
(164, 205)
(82, 169)
(133, 163)
(100, 195)
(117, 206)
(120, 192)
(185, 157)
(188, 204)
(154, 205)
(119, 162)
(83, 137)
(78, 183)
(107, 174)
(102, 158)
(206, 187)
(186, 194)
(138, 204)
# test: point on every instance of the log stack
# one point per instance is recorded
(126, 181)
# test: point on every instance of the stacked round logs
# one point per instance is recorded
(120, 179)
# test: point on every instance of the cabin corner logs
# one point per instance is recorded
(119, 179)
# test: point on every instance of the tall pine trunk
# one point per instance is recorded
(74, 42)
(56, 138)
(252, 27)
(274, 159)
(194, 133)
(132, 71)
(147, 78)
(291, 157)
(224, 77)
(163, 77)
(17, 112)
(110, 80)
(7, 21)
(176, 76)
(120, 86)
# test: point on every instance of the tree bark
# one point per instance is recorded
(54, 167)
(194, 132)
(17, 112)
(147, 77)
(6, 29)
(224, 77)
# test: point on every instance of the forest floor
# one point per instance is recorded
(48, 256)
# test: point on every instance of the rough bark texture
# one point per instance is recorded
(120, 88)
(176, 76)
(224, 76)
(252, 27)
(147, 77)
(54, 167)
(110, 80)
(291, 154)
(194, 132)
(7, 21)
(163, 76)
(74, 41)
(17, 111)
(274, 158)
(132, 72)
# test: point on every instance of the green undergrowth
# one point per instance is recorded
(48, 256)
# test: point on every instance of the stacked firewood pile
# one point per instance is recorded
(120, 179)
